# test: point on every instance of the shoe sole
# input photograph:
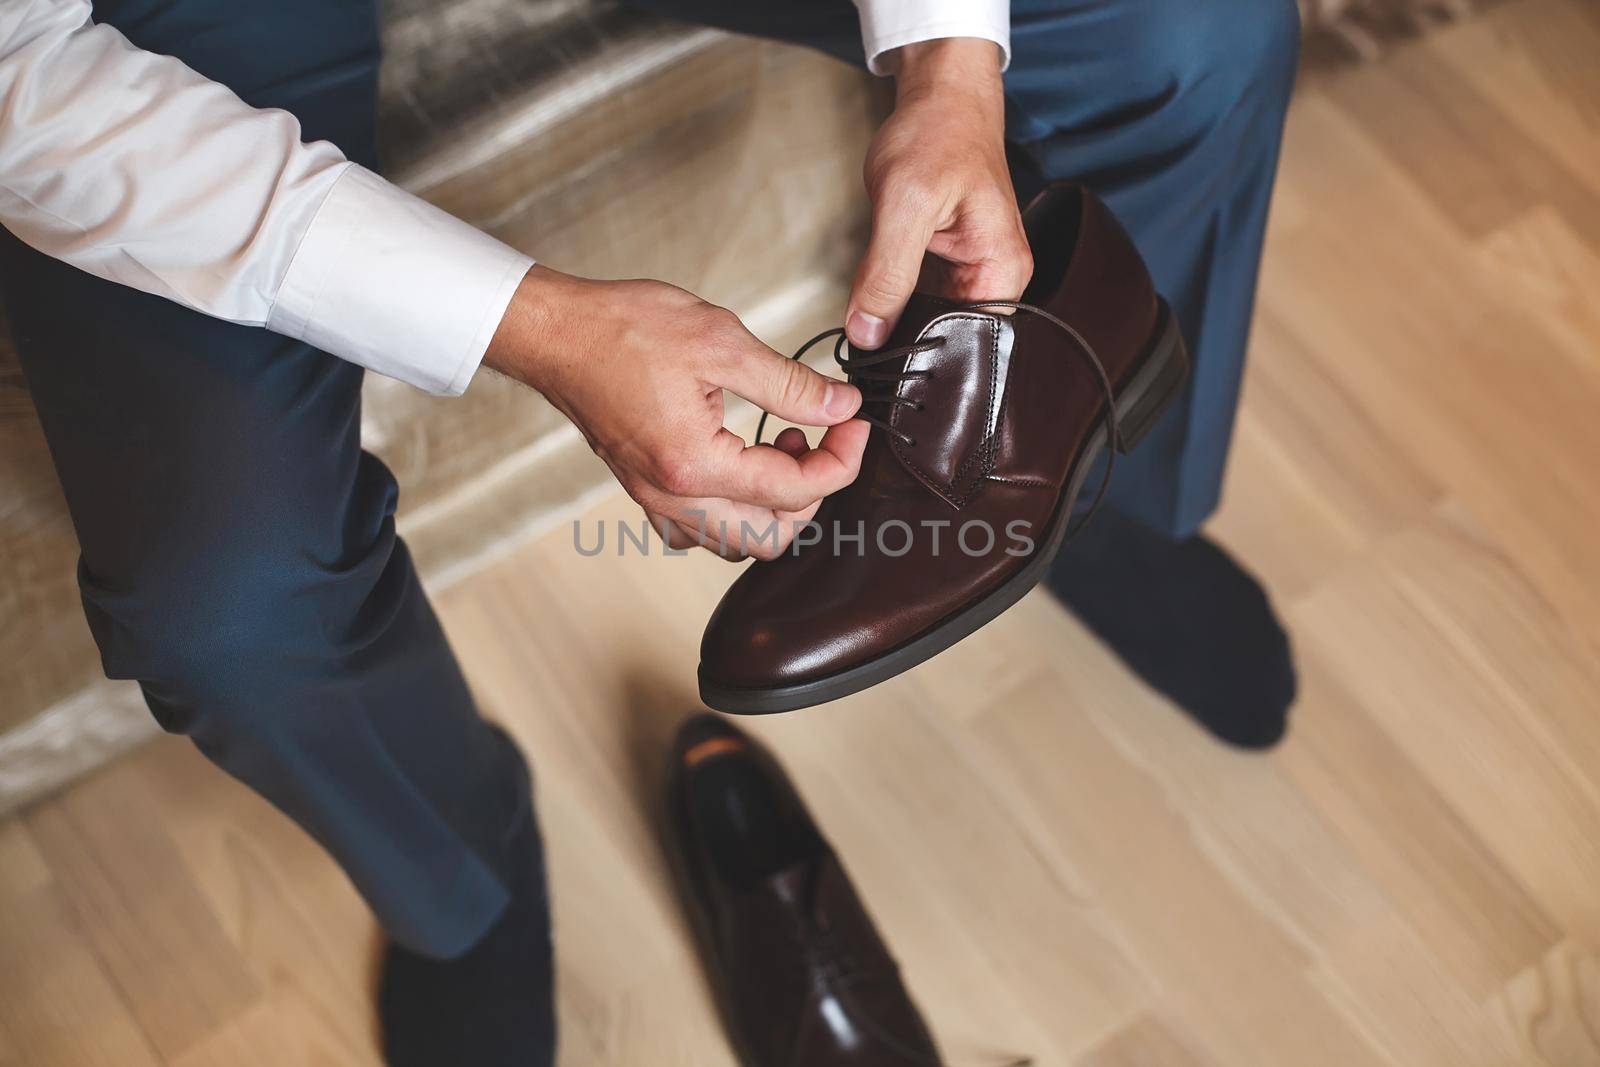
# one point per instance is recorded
(1149, 393)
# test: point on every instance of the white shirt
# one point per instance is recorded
(133, 167)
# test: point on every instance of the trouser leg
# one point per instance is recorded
(239, 556)
(1173, 111)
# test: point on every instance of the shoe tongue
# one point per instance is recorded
(921, 309)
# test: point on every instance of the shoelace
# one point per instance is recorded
(857, 369)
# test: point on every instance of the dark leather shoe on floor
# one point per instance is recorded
(987, 426)
(1188, 620)
(800, 975)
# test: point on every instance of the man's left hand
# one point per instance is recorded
(944, 216)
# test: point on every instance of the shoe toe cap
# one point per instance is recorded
(766, 634)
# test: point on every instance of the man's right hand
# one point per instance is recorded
(640, 366)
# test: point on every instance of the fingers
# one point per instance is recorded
(786, 387)
(684, 524)
(777, 479)
(1011, 272)
(792, 440)
(793, 520)
(902, 225)
(736, 528)
(984, 257)
(733, 531)
(671, 533)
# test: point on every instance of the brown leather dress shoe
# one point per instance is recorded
(798, 971)
(988, 426)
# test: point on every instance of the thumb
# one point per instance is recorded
(888, 273)
(789, 389)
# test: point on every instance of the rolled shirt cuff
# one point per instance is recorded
(387, 280)
(890, 24)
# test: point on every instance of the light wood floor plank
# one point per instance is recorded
(1555, 1007)
(1319, 477)
(1446, 881)
(294, 919)
(283, 1029)
(1545, 267)
(1213, 954)
(1269, 842)
(1536, 63)
(1445, 360)
(57, 1006)
(1463, 719)
(1476, 161)
(1146, 1042)
(138, 907)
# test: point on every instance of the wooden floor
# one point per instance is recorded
(1065, 866)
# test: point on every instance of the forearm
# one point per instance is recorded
(966, 66)
(536, 342)
(960, 78)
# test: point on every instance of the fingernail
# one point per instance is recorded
(839, 399)
(866, 331)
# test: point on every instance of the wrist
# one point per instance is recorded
(969, 65)
(526, 344)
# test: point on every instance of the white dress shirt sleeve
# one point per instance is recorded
(889, 24)
(133, 167)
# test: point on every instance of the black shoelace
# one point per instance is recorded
(858, 371)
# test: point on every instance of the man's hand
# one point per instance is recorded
(640, 367)
(942, 204)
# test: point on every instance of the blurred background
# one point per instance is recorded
(1064, 865)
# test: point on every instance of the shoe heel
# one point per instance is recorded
(1155, 386)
